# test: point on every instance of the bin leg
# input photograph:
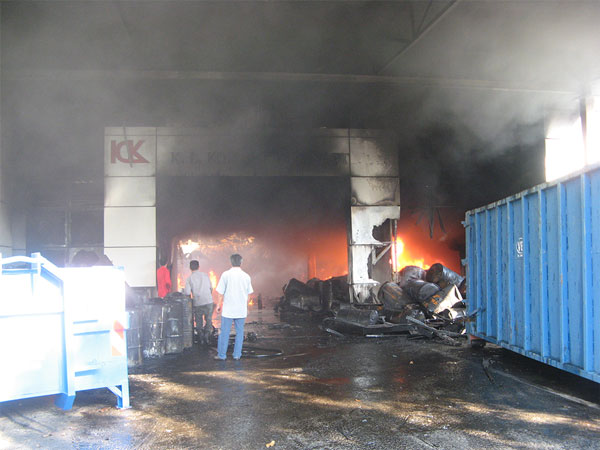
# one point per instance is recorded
(64, 401)
(123, 399)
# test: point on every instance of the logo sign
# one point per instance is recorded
(132, 155)
(520, 246)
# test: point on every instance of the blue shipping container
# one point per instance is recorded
(533, 273)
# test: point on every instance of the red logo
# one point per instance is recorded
(133, 156)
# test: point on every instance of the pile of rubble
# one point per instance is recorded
(429, 301)
(317, 296)
(422, 302)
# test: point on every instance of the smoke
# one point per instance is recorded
(472, 145)
(458, 146)
(224, 205)
(467, 156)
(276, 223)
(271, 259)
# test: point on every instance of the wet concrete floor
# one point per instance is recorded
(325, 392)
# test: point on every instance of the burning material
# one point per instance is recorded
(213, 279)
(408, 293)
(401, 257)
(188, 247)
(270, 256)
(180, 283)
(210, 246)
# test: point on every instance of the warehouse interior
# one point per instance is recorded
(478, 98)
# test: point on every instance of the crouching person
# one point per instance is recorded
(233, 288)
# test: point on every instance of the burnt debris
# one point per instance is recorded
(314, 296)
(443, 277)
(300, 296)
(425, 303)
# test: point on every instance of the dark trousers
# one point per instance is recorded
(203, 316)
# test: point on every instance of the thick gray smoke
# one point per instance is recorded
(72, 68)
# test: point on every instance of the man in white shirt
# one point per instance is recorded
(198, 285)
(234, 288)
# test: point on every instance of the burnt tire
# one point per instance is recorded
(476, 342)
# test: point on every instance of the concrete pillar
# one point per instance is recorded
(130, 202)
(375, 198)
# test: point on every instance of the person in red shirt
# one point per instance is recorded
(163, 279)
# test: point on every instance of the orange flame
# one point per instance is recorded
(180, 284)
(189, 246)
(403, 257)
(213, 279)
(323, 275)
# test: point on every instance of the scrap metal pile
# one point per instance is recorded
(430, 301)
(427, 303)
(317, 296)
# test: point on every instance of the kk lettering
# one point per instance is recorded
(132, 157)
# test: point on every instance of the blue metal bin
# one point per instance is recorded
(533, 272)
(62, 330)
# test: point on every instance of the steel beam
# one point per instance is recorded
(177, 75)
(421, 32)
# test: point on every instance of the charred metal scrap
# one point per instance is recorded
(331, 298)
(443, 277)
(410, 273)
(425, 301)
(317, 296)
(299, 296)
(414, 304)
(365, 322)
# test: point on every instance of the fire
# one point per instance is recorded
(189, 246)
(180, 284)
(211, 246)
(213, 279)
(404, 258)
(329, 275)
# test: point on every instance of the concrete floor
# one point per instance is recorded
(324, 393)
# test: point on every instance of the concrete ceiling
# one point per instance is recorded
(532, 45)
